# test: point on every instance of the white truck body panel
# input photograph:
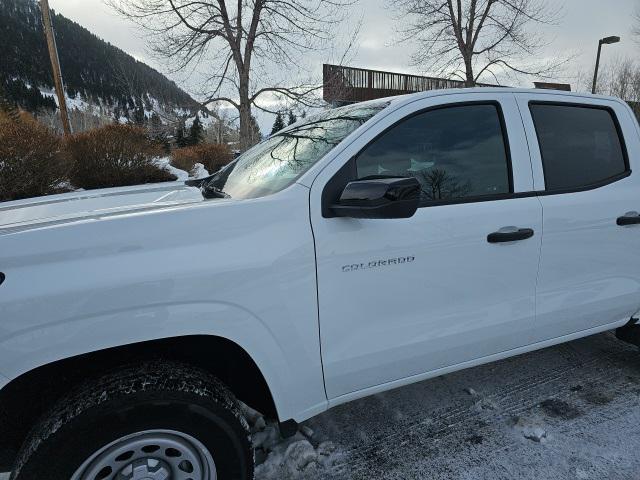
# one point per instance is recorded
(93, 270)
(334, 402)
(458, 300)
(206, 269)
(589, 273)
(83, 205)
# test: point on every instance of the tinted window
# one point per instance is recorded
(580, 146)
(454, 152)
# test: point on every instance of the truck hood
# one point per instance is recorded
(93, 204)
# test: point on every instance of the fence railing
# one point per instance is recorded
(349, 84)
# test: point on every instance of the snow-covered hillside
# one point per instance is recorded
(99, 78)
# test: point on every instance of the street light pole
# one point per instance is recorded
(604, 41)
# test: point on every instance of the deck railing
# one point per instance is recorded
(349, 84)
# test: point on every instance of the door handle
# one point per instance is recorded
(510, 234)
(629, 218)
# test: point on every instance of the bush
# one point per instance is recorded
(114, 155)
(31, 159)
(212, 155)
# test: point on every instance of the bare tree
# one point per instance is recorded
(620, 77)
(241, 44)
(473, 39)
(636, 25)
(624, 80)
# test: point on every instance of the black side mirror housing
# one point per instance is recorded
(379, 197)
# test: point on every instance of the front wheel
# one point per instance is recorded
(158, 421)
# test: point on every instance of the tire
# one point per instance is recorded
(149, 417)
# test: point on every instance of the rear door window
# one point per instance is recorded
(580, 145)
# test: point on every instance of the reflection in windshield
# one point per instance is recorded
(277, 162)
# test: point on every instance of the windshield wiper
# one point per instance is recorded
(209, 191)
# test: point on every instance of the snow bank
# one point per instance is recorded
(297, 457)
(198, 170)
(165, 162)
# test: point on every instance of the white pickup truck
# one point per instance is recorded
(359, 250)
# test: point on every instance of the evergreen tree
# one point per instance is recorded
(158, 132)
(181, 141)
(155, 124)
(196, 132)
(91, 67)
(139, 116)
(292, 118)
(7, 106)
(278, 124)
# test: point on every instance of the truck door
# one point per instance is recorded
(399, 298)
(583, 151)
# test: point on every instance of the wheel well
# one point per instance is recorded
(28, 397)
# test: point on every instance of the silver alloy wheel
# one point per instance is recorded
(150, 455)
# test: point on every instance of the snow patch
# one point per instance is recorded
(531, 430)
(206, 120)
(165, 162)
(536, 434)
(291, 458)
(199, 171)
(102, 108)
(484, 404)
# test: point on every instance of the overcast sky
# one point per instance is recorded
(582, 24)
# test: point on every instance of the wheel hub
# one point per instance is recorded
(150, 455)
(145, 469)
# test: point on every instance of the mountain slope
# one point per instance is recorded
(94, 70)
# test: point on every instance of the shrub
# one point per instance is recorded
(31, 159)
(114, 155)
(212, 155)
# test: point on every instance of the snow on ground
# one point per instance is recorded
(165, 162)
(567, 412)
(198, 171)
(281, 459)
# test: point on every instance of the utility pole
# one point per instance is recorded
(55, 65)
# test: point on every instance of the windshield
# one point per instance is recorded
(280, 160)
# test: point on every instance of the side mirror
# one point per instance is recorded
(379, 197)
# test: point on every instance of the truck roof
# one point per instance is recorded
(408, 98)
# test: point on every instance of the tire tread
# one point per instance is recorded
(155, 376)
